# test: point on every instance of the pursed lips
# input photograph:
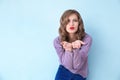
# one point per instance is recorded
(72, 28)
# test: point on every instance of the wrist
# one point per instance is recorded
(69, 50)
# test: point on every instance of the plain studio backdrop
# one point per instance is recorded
(28, 28)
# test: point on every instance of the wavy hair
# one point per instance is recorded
(64, 35)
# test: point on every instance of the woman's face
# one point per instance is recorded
(72, 25)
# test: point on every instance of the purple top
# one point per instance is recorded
(75, 61)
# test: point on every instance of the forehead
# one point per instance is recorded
(73, 16)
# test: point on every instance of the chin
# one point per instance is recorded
(72, 32)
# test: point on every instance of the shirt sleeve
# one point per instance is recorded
(62, 54)
(85, 47)
(81, 54)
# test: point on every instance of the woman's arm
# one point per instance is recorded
(63, 54)
(81, 54)
(85, 47)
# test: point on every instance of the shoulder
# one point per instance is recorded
(87, 38)
(57, 40)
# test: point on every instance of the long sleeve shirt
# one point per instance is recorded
(76, 60)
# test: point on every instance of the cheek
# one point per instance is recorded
(77, 24)
(67, 27)
(76, 28)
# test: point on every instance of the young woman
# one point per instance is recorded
(72, 46)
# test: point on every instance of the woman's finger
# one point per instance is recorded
(82, 42)
(73, 44)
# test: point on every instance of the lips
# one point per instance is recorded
(72, 28)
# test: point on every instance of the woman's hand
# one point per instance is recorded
(67, 46)
(77, 44)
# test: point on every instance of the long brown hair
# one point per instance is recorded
(64, 35)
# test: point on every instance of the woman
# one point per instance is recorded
(72, 46)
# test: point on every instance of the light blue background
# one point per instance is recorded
(28, 28)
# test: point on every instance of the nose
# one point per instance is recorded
(71, 23)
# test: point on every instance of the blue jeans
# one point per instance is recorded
(65, 74)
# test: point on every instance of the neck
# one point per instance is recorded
(71, 37)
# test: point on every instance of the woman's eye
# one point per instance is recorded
(68, 20)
